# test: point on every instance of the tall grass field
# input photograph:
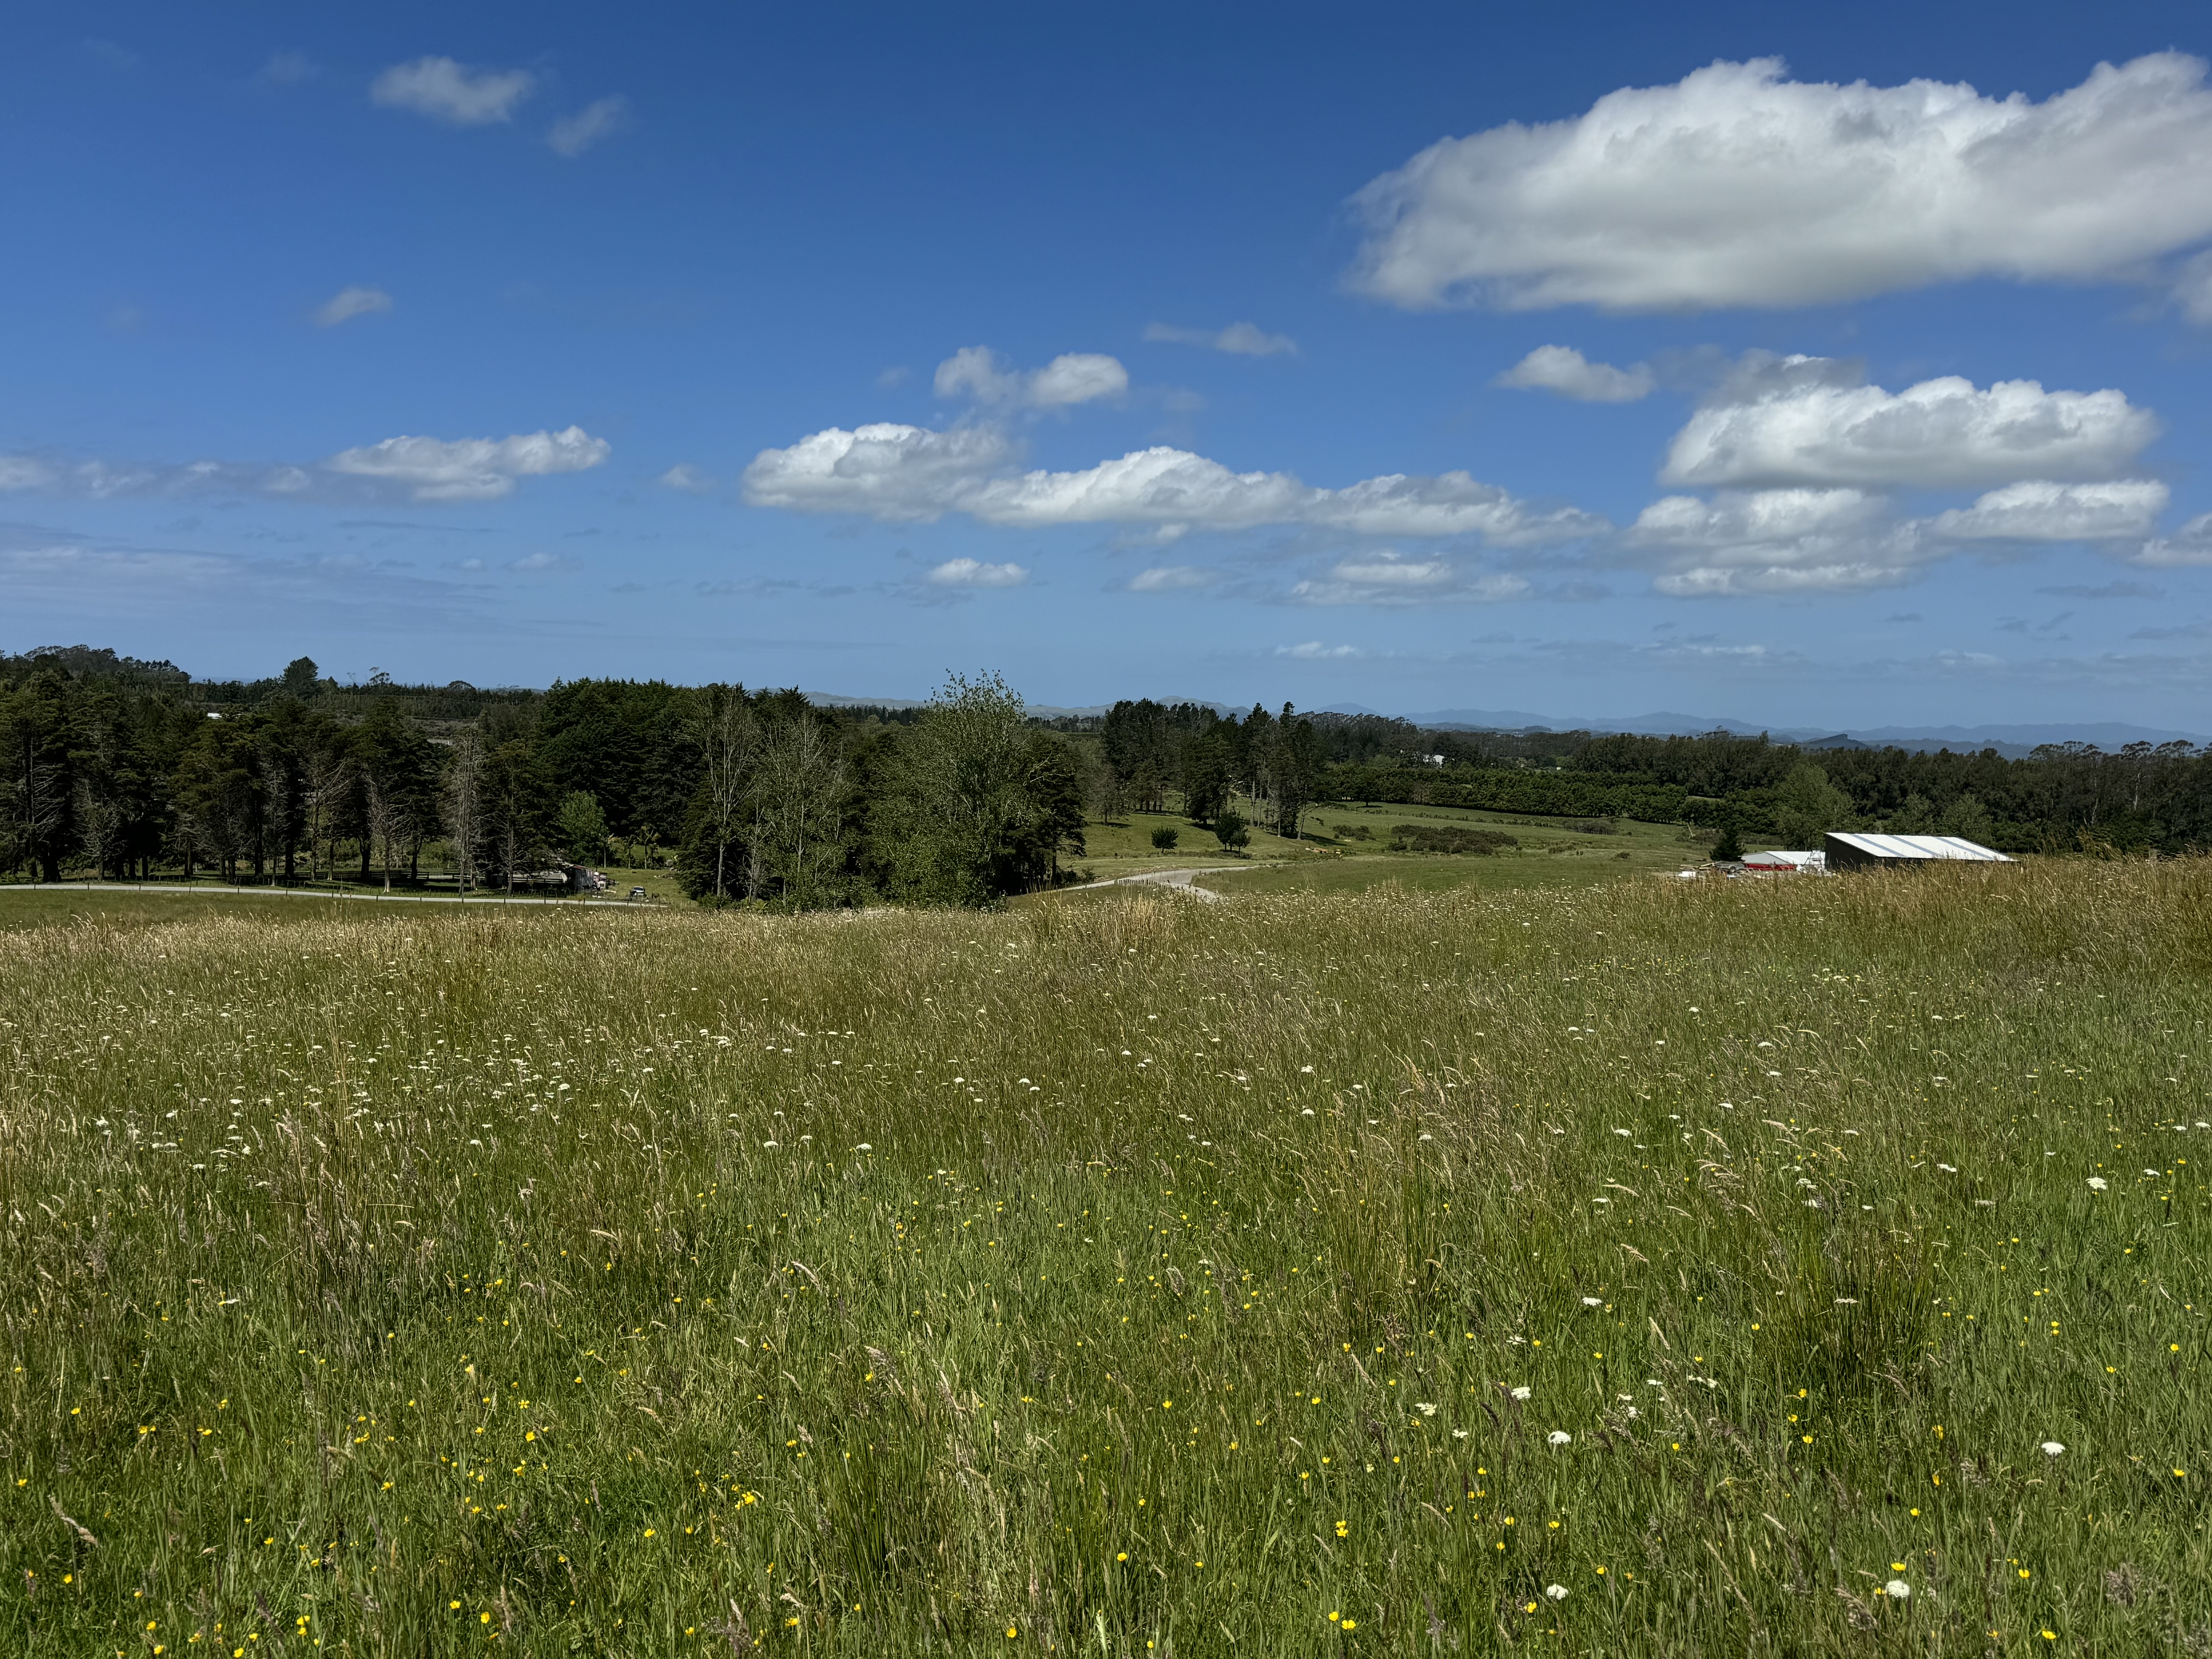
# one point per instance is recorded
(1805, 1266)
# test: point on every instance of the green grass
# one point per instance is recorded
(101, 908)
(656, 1283)
(1552, 854)
(1343, 848)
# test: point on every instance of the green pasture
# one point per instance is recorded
(1798, 1267)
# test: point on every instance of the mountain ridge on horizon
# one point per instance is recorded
(2013, 739)
(2020, 735)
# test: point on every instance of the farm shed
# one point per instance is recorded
(1784, 864)
(1854, 850)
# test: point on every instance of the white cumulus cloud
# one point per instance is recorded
(1776, 541)
(1564, 370)
(885, 469)
(1315, 651)
(447, 91)
(1738, 187)
(572, 134)
(1073, 377)
(974, 572)
(351, 302)
(2041, 511)
(2190, 544)
(893, 471)
(469, 469)
(1805, 421)
(1238, 339)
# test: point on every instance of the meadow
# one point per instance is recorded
(1655, 1268)
(1346, 848)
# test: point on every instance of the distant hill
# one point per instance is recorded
(1662, 724)
(2011, 741)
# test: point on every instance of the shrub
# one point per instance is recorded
(1165, 837)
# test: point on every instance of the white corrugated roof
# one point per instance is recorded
(1778, 859)
(1918, 847)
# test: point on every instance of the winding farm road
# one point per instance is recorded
(1181, 880)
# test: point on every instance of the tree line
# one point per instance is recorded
(109, 769)
(2061, 797)
(124, 767)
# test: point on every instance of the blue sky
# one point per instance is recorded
(1840, 366)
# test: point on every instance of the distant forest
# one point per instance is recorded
(124, 767)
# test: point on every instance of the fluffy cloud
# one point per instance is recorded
(1735, 186)
(974, 572)
(1806, 420)
(1238, 339)
(351, 302)
(687, 477)
(1564, 370)
(2190, 544)
(1315, 651)
(445, 90)
(1776, 541)
(469, 469)
(572, 134)
(1074, 377)
(883, 470)
(2041, 511)
(893, 471)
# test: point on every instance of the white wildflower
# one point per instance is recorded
(1898, 1589)
(2096, 1183)
(1561, 1437)
(1590, 1302)
(1426, 1407)
(1557, 1592)
(2052, 1448)
(1520, 1393)
(1459, 1434)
